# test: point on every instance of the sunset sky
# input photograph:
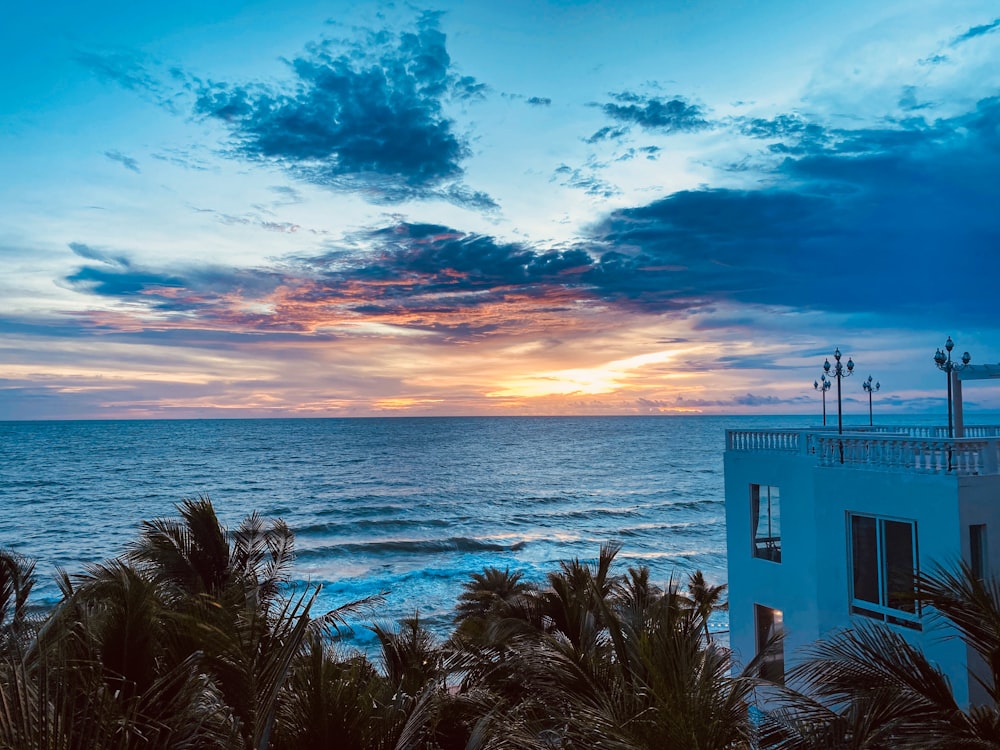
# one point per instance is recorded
(236, 209)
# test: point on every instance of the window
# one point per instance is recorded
(884, 569)
(770, 628)
(765, 522)
(977, 550)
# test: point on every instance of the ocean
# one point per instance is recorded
(406, 506)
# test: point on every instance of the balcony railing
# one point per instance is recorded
(922, 450)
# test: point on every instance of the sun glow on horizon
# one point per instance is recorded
(606, 378)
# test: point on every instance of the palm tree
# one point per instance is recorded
(706, 598)
(338, 700)
(194, 555)
(491, 595)
(17, 577)
(232, 587)
(613, 661)
(92, 677)
(192, 605)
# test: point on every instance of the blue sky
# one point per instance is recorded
(350, 209)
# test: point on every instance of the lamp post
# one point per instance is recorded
(823, 385)
(870, 389)
(943, 361)
(839, 372)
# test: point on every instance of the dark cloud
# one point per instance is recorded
(908, 99)
(751, 361)
(652, 113)
(92, 253)
(116, 279)
(748, 399)
(126, 161)
(651, 153)
(202, 287)
(896, 224)
(789, 133)
(586, 179)
(423, 276)
(608, 133)
(539, 101)
(936, 59)
(976, 31)
(866, 221)
(696, 248)
(369, 118)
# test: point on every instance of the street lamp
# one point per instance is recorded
(943, 361)
(839, 372)
(870, 389)
(823, 385)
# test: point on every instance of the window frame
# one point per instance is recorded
(771, 551)
(883, 610)
(979, 550)
(772, 666)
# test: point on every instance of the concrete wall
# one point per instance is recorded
(810, 585)
(788, 585)
(979, 503)
(931, 501)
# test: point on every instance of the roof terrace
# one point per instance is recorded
(915, 449)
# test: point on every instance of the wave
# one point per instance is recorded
(592, 512)
(644, 530)
(371, 523)
(415, 546)
(688, 504)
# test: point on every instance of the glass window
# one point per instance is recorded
(884, 569)
(864, 558)
(900, 566)
(770, 627)
(765, 522)
(977, 550)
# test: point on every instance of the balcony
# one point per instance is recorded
(916, 449)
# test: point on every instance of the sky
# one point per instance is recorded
(303, 209)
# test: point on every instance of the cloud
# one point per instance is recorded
(865, 221)
(585, 179)
(895, 223)
(975, 31)
(651, 113)
(92, 253)
(127, 69)
(790, 133)
(253, 220)
(183, 290)
(138, 73)
(184, 158)
(287, 195)
(680, 403)
(539, 101)
(369, 118)
(126, 161)
(651, 153)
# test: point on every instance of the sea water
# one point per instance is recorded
(403, 507)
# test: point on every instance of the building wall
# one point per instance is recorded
(931, 501)
(810, 585)
(789, 585)
(979, 503)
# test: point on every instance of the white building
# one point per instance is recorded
(825, 529)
